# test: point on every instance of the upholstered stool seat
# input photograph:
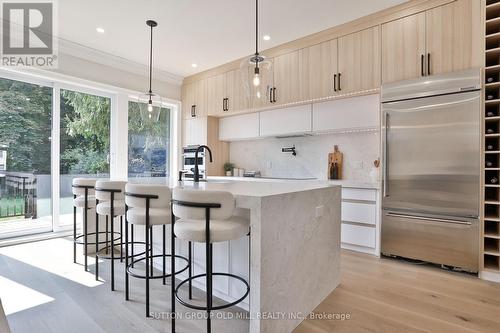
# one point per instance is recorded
(220, 230)
(148, 205)
(104, 208)
(196, 211)
(79, 201)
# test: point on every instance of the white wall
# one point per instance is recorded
(97, 72)
(360, 150)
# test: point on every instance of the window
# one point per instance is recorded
(148, 144)
(25, 165)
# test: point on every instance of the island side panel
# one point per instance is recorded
(300, 254)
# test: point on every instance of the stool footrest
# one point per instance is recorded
(107, 256)
(139, 276)
(77, 239)
(220, 307)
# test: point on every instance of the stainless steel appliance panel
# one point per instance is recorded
(444, 241)
(431, 155)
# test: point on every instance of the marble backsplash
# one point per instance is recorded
(360, 149)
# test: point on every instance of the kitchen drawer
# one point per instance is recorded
(358, 235)
(359, 212)
(359, 194)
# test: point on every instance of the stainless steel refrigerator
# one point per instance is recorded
(431, 169)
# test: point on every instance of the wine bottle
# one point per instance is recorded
(489, 147)
(490, 114)
(490, 131)
(490, 97)
(494, 180)
(490, 79)
(489, 164)
(335, 170)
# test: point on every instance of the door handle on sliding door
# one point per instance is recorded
(386, 153)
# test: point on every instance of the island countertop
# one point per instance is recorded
(293, 258)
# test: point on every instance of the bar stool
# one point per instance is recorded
(205, 217)
(148, 205)
(83, 197)
(110, 201)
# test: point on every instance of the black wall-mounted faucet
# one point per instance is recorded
(289, 150)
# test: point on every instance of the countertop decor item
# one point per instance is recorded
(228, 168)
(335, 162)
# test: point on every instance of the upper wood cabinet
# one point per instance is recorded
(450, 37)
(318, 66)
(264, 92)
(439, 40)
(359, 61)
(403, 45)
(226, 93)
(287, 79)
(194, 99)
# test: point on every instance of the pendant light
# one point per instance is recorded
(150, 103)
(255, 71)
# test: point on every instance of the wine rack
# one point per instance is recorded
(491, 221)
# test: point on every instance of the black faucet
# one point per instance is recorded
(196, 170)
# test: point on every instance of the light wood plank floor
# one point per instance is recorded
(43, 291)
(387, 295)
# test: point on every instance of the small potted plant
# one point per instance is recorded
(228, 168)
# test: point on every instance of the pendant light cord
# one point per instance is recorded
(256, 33)
(151, 64)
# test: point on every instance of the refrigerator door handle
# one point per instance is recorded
(386, 146)
(431, 219)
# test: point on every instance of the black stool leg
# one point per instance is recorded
(85, 239)
(147, 257)
(126, 255)
(163, 257)
(132, 241)
(151, 267)
(190, 259)
(96, 241)
(111, 217)
(208, 256)
(172, 268)
(74, 231)
(121, 238)
(107, 235)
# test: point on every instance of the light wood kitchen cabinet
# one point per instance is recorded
(318, 67)
(287, 79)
(450, 37)
(439, 40)
(226, 93)
(194, 99)
(359, 61)
(264, 98)
(403, 46)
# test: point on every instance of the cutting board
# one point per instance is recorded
(335, 156)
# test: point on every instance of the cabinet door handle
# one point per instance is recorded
(227, 104)
(422, 60)
(223, 104)
(334, 82)
(270, 94)
(428, 64)
(274, 95)
(193, 111)
(339, 81)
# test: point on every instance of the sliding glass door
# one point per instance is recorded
(84, 138)
(25, 163)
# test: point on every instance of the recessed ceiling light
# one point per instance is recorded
(194, 65)
(266, 37)
(100, 30)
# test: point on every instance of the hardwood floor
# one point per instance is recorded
(43, 291)
(386, 295)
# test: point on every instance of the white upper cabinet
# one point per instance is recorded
(287, 121)
(344, 114)
(239, 127)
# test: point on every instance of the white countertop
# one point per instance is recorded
(252, 188)
(343, 183)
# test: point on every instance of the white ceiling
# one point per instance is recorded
(206, 32)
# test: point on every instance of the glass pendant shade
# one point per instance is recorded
(256, 83)
(150, 105)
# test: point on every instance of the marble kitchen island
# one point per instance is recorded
(295, 247)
